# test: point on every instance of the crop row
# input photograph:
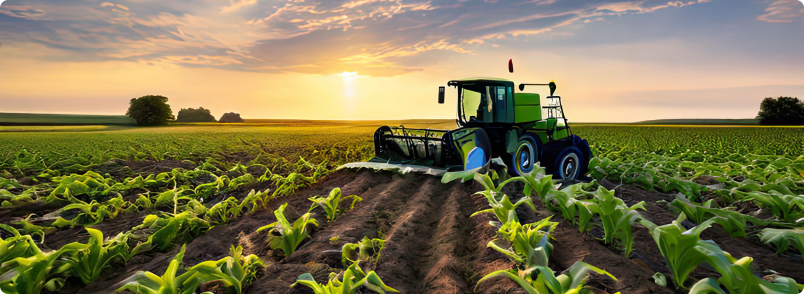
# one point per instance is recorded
(682, 249)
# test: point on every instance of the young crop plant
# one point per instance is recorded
(288, 185)
(331, 203)
(786, 207)
(738, 278)
(733, 222)
(34, 230)
(617, 218)
(347, 282)
(570, 282)
(169, 283)
(529, 243)
(168, 229)
(89, 184)
(32, 274)
(257, 200)
(365, 249)
(16, 246)
(284, 235)
(223, 211)
(540, 186)
(683, 250)
(782, 238)
(235, 271)
(90, 262)
(503, 209)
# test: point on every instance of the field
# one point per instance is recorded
(230, 209)
(62, 119)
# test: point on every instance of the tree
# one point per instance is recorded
(781, 111)
(195, 115)
(231, 117)
(150, 110)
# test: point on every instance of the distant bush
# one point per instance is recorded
(231, 117)
(195, 115)
(781, 111)
(150, 110)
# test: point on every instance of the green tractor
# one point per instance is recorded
(493, 121)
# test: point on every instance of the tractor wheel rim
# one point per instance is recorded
(525, 158)
(569, 166)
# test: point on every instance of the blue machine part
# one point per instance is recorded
(475, 159)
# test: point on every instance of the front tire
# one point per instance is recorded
(568, 164)
(524, 159)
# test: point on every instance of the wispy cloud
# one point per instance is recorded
(783, 11)
(373, 37)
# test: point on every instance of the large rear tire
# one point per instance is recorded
(568, 164)
(524, 159)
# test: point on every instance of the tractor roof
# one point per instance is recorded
(482, 79)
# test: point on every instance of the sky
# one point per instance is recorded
(613, 61)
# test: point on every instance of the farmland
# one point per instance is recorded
(90, 209)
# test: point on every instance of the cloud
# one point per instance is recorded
(783, 11)
(373, 37)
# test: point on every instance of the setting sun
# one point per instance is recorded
(348, 75)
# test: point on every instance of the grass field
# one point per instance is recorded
(127, 198)
(62, 119)
(682, 121)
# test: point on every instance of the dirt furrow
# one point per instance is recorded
(409, 245)
(318, 256)
(373, 214)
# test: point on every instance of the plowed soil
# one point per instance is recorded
(432, 245)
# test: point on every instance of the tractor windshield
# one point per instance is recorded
(476, 105)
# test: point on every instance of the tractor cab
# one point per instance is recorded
(492, 102)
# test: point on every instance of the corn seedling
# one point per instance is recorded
(223, 211)
(282, 235)
(733, 222)
(786, 207)
(782, 238)
(365, 249)
(737, 277)
(570, 282)
(682, 249)
(538, 183)
(529, 243)
(35, 230)
(169, 229)
(288, 185)
(331, 203)
(347, 282)
(502, 208)
(169, 283)
(617, 218)
(16, 246)
(90, 262)
(235, 270)
(32, 274)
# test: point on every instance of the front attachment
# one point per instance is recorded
(455, 150)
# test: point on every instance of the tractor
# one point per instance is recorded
(494, 121)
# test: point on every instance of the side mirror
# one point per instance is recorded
(441, 95)
(521, 87)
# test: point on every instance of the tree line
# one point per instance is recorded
(154, 110)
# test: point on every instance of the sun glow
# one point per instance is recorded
(348, 75)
